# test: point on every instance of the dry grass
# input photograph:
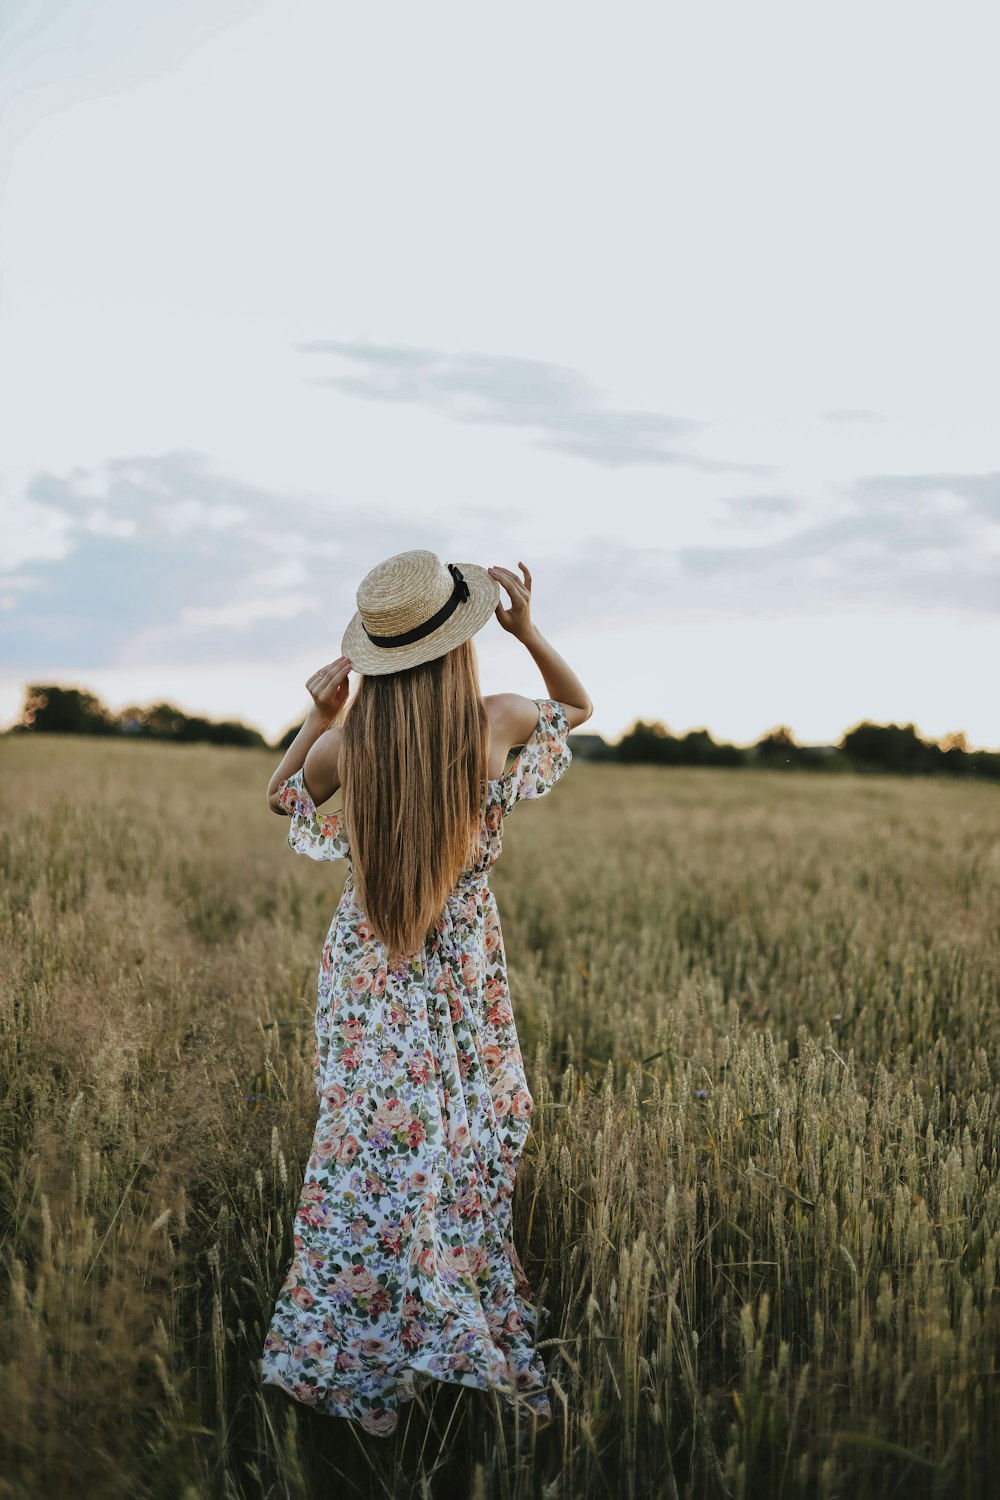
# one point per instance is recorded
(760, 1198)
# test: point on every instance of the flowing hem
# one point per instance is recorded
(413, 1378)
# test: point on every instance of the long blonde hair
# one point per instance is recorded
(413, 763)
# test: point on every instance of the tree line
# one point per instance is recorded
(866, 747)
(60, 710)
(49, 709)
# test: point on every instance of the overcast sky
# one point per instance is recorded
(692, 308)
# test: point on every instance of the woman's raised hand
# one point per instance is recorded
(516, 618)
(328, 688)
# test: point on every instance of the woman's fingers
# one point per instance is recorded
(516, 618)
(336, 671)
(510, 581)
(330, 666)
(326, 676)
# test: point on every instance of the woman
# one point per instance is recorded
(404, 1270)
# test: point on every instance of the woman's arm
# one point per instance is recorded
(317, 741)
(561, 681)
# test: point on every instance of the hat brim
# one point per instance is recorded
(471, 615)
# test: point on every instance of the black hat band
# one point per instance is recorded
(458, 595)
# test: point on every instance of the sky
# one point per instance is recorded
(693, 309)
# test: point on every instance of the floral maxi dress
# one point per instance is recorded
(404, 1270)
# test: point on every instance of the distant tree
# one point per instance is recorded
(777, 741)
(890, 747)
(954, 754)
(590, 746)
(821, 758)
(778, 747)
(982, 763)
(59, 710)
(727, 755)
(653, 744)
(193, 731)
(156, 721)
(164, 721)
(644, 742)
(232, 732)
(287, 737)
(697, 748)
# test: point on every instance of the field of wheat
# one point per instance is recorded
(760, 1199)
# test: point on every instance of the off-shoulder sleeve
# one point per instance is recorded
(316, 834)
(544, 759)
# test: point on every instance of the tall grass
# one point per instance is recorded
(760, 1200)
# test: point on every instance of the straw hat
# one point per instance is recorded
(413, 608)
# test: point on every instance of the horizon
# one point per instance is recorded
(583, 729)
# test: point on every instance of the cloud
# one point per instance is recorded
(102, 523)
(182, 516)
(756, 510)
(920, 540)
(887, 542)
(242, 612)
(851, 414)
(503, 390)
(161, 559)
(158, 560)
(980, 492)
(31, 531)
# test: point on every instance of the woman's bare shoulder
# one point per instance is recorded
(512, 716)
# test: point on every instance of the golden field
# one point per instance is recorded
(760, 1200)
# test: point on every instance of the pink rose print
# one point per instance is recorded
(391, 1114)
(381, 1420)
(391, 1237)
(479, 1261)
(357, 1281)
(348, 1148)
(419, 1070)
